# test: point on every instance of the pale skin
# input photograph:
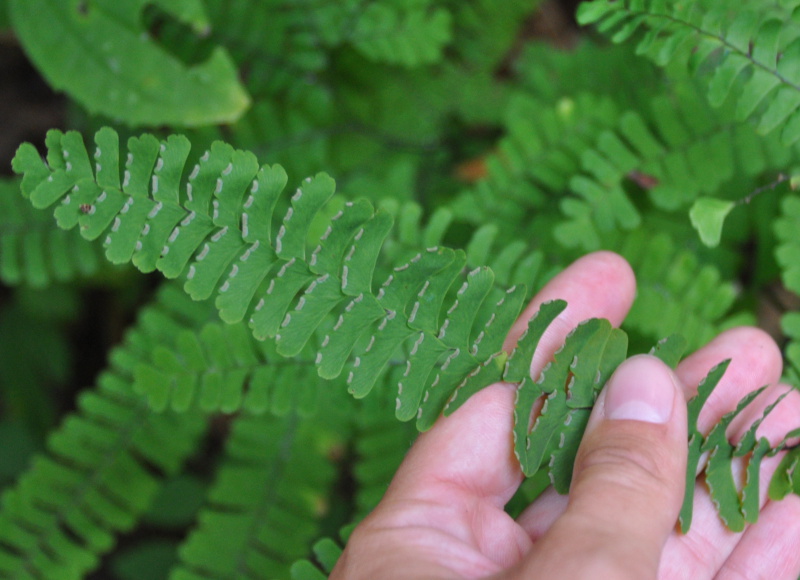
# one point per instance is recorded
(442, 517)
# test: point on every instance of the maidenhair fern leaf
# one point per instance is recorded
(536, 157)
(676, 148)
(786, 253)
(223, 368)
(264, 507)
(327, 552)
(567, 388)
(102, 469)
(693, 297)
(381, 444)
(215, 229)
(754, 52)
(409, 35)
(592, 67)
(789, 247)
(102, 56)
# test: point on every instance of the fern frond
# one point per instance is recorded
(786, 253)
(534, 161)
(264, 507)
(485, 31)
(513, 263)
(751, 55)
(406, 34)
(102, 56)
(603, 71)
(218, 232)
(326, 553)
(102, 469)
(789, 246)
(35, 252)
(381, 444)
(677, 150)
(295, 47)
(736, 506)
(674, 148)
(693, 297)
(590, 354)
(224, 368)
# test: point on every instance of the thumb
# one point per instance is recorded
(628, 482)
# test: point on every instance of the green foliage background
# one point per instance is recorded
(667, 132)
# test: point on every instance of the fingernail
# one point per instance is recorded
(642, 389)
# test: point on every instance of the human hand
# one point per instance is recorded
(442, 517)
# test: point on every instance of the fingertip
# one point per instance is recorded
(642, 388)
(470, 450)
(613, 263)
(620, 267)
(606, 275)
(755, 357)
(764, 356)
(598, 285)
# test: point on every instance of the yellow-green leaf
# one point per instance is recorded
(707, 216)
